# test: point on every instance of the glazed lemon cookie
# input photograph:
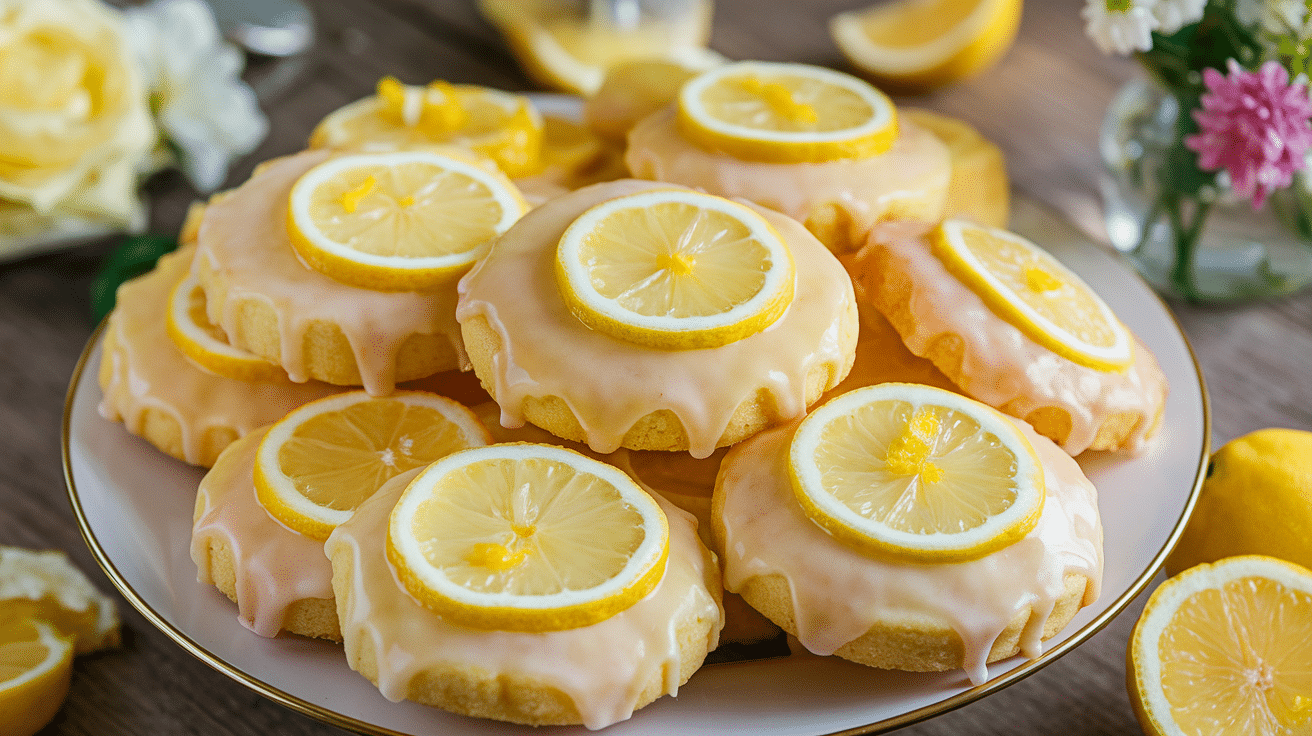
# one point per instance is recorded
(572, 157)
(264, 510)
(822, 147)
(776, 329)
(478, 624)
(267, 301)
(161, 396)
(1012, 327)
(906, 527)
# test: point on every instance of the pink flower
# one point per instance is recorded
(1254, 124)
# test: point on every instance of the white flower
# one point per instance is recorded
(1275, 16)
(204, 108)
(1121, 26)
(1172, 15)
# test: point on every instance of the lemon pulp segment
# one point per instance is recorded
(205, 343)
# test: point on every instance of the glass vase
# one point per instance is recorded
(1212, 247)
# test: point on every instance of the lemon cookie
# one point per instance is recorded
(572, 157)
(595, 674)
(865, 594)
(161, 396)
(838, 181)
(270, 303)
(609, 385)
(1100, 389)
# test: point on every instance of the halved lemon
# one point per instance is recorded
(36, 666)
(526, 537)
(915, 473)
(504, 127)
(1034, 292)
(321, 461)
(674, 269)
(916, 45)
(402, 221)
(571, 53)
(1225, 648)
(47, 586)
(786, 113)
(205, 343)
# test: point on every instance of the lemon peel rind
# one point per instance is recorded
(872, 138)
(510, 612)
(1001, 531)
(392, 273)
(276, 492)
(1143, 672)
(945, 243)
(670, 333)
(210, 354)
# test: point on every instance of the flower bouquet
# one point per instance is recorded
(1207, 190)
(93, 99)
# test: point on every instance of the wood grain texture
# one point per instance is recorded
(1043, 104)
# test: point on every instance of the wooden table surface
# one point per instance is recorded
(1042, 104)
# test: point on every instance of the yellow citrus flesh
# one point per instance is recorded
(568, 52)
(402, 221)
(1256, 500)
(1034, 292)
(915, 473)
(321, 461)
(526, 537)
(1225, 648)
(786, 113)
(45, 585)
(505, 128)
(917, 45)
(205, 344)
(36, 666)
(674, 269)
(979, 188)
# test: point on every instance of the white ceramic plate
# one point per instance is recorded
(135, 506)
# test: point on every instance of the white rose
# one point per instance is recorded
(74, 123)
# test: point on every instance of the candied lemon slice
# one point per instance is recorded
(786, 113)
(45, 585)
(1225, 648)
(916, 45)
(205, 343)
(504, 127)
(916, 473)
(36, 666)
(402, 221)
(674, 269)
(526, 537)
(1034, 292)
(321, 461)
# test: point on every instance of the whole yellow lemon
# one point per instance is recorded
(1256, 499)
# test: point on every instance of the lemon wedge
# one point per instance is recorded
(674, 269)
(786, 113)
(401, 221)
(1034, 292)
(1225, 648)
(36, 667)
(526, 537)
(571, 53)
(321, 461)
(47, 586)
(205, 343)
(915, 473)
(917, 45)
(504, 127)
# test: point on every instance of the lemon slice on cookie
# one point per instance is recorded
(674, 269)
(916, 474)
(786, 113)
(321, 461)
(1034, 292)
(526, 537)
(401, 221)
(205, 343)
